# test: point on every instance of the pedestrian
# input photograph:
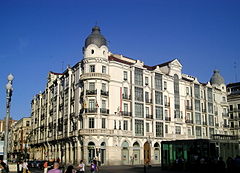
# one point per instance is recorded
(25, 167)
(4, 166)
(20, 167)
(45, 167)
(81, 167)
(94, 167)
(55, 168)
(70, 169)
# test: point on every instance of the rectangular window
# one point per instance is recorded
(138, 76)
(91, 86)
(158, 81)
(211, 120)
(147, 112)
(165, 85)
(92, 68)
(125, 75)
(158, 97)
(147, 127)
(104, 87)
(209, 94)
(197, 105)
(210, 108)
(115, 124)
(139, 112)
(103, 123)
(125, 107)
(147, 97)
(125, 125)
(138, 94)
(159, 113)
(104, 69)
(125, 91)
(92, 103)
(198, 118)
(91, 123)
(211, 131)
(166, 128)
(139, 128)
(120, 125)
(104, 104)
(198, 132)
(187, 91)
(146, 80)
(159, 129)
(27, 123)
(196, 91)
(178, 130)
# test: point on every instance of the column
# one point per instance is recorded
(67, 153)
(78, 150)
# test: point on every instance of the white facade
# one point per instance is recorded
(118, 110)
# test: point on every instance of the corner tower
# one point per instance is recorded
(95, 45)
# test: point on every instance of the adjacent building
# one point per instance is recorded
(18, 136)
(118, 109)
(233, 90)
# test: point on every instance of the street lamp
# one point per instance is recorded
(9, 90)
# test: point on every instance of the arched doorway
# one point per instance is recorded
(125, 153)
(103, 153)
(136, 153)
(156, 153)
(91, 151)
(147, 153)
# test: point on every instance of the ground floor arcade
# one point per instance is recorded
(108, 150)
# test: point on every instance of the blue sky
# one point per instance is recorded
(38, 36)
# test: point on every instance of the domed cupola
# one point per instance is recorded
(95, 38)
(216, 78)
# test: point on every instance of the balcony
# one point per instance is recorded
(90, 110)
(189, 121)
(189, 107)
(125, 113)
(91, 92)
(104, 111)
(105, 132)
(126, 97)
(226, 125)
(225, 114)
(149, 116)
(167, 118)
(104, 93)
(94, 75)
(148, 100)
(167, 104)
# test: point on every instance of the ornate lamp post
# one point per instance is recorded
(9, 90)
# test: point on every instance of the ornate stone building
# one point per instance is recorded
(233, 90)
(18, 136)
(118, 109)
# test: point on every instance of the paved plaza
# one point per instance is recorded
(122, 169)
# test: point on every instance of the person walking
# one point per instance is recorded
(45, 167)
(94, 167)
(81, 167)
(25, 167)
(55, 168)
(70, 169)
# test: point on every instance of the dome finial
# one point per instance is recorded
(216, 78)
(96, 38)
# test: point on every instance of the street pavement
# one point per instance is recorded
(121, 169)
